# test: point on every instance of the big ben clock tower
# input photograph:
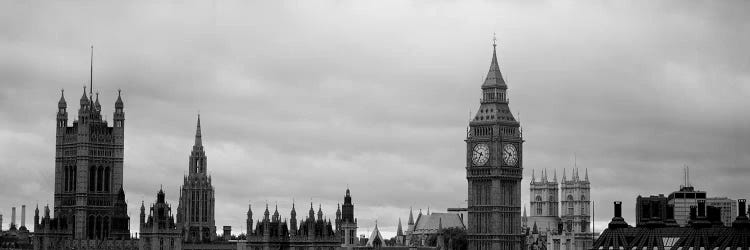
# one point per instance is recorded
(494, 160)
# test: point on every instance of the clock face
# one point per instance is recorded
(480, 154)
(510, 155)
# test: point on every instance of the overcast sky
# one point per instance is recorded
(299, 100)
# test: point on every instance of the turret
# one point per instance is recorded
(293, 221)
(276, 216)
(311, 213)
(143, 215)
(119, 115)
(62, 112)
(83, 110)
(97, 106)
(338, 216)
(320, 212)
(266, 214)
(36, 218)
(347, 209)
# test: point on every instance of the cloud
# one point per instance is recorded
(300, 100)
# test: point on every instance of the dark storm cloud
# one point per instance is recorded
(299, 100)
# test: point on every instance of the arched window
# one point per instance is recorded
(570, 205)
(99, 178)
(92, 178)
(105, 227)
(75, 178)
(90, 227)
(538, 205)
(106, 179)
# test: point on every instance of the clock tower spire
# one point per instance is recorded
(494, 168)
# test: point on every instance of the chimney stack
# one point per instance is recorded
(618, 221)
(13, 218)
(23, 215)
(618, 208)
(741, 221)
(741, 207)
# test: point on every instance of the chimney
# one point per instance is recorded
(741, 221)
(741, 207)
(13, 218)
(618, 208)
(23, 215)
(618, 221)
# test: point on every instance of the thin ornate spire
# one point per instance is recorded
(494, 77)
(91, 70)
(198, 140)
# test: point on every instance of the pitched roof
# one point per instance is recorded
(430, 223)
(375, 235)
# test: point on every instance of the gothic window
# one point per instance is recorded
(90, 227)
(106, 179)
(92, 178)
(99, 178)
(75, 178)
(570, 205)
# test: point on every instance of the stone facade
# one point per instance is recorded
(195, 213)
(494, 169)
(158, 229)
(559, 224)
(313, 232)
(89, 202)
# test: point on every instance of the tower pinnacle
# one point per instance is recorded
(198, 140)
(91, 72)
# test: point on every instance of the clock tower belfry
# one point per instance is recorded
(494, 168)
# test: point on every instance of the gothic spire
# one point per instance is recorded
(91, 72)
(565, 178)
(399, 231)
(533, 177)
(587, 175)
(494, 77)
(198, 140)
(554, 179)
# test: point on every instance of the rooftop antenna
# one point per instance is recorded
(91, 72)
